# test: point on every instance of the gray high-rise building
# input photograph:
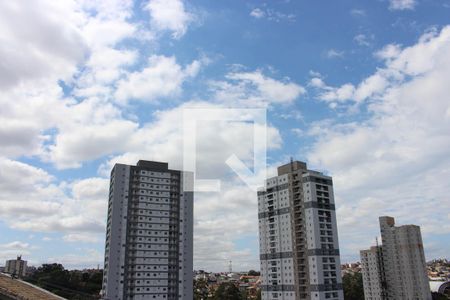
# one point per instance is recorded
(149, 233)
(299, 249)
(397, 268)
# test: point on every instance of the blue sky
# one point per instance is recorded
(357, 89)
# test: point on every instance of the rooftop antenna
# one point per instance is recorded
(292, 164)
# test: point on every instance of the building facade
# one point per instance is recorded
(400, 265)
(371, 272)
(16, 267)
(299, 249)
(149, 234)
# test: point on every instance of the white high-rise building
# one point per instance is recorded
(149, 234)
(299, 249)
(396, 269)
(371, 273)
(16, 267)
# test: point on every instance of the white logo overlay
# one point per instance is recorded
(256, 116)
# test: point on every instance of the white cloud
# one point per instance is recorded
(234, 208)
(271, 15)
(388, 52)
(170, 15)
(104, 67)
(402, 4)
(16, 245)
(396, 162)
(363, 40)
(82, 238)
(64, 40)
(333, 53)
(54, 46)
(358, 12)
(254, 89)
(89, 258)
(162, 77)
(216, 141)
(78, 143)
(31, 200)
(12, 249)
(298, 132)
(400, 64)
(257, 13)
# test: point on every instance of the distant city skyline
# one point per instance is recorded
(356, 89)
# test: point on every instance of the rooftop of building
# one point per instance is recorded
(154, 165)
(291, 166)
(17, 289)
(390, 221)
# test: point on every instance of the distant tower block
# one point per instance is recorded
(230, 267)
(400, 253)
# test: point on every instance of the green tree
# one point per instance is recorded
(73, 285)
(353, 286)
(201, 289)
(228, 291)
(253, 273)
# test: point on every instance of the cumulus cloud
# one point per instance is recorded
(54, 46)
(162, 77)
(170, 15)
(398, 157)
(77, 144)
(60, 37)
(257, 13)
(400, 65)
(31, 200)
(216, 140)
(254, 89)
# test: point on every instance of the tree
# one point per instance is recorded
(228, 291)
(201, 289)
(73, 285)
(437, 296)
(253, 273)
(353, 286)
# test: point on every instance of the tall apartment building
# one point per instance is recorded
(371, 273)
(396, 269)
(299, 249)
(16, 267)
(149, 234)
